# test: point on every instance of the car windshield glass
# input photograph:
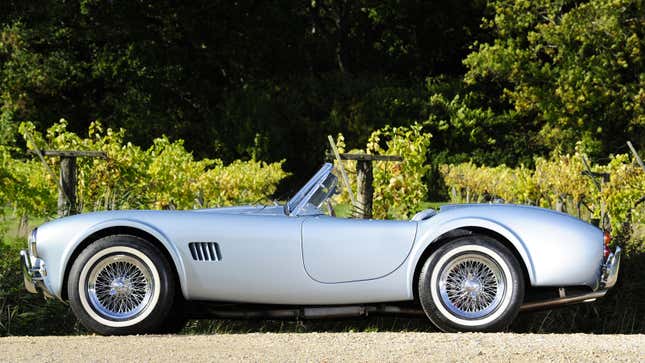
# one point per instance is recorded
(324, 191)
(297, 199)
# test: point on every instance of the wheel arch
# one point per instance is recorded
(483, 227)
(132, 228)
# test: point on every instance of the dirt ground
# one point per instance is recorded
(326, 347)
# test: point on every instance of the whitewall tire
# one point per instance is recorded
(472, 283)
(121, 284)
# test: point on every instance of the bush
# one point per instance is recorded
(165, 176)
(557, 183)
(22, 313)
(399, 187)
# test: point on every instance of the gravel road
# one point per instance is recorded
(325, 347)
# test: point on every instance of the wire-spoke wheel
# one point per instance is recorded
(473, 283)
(472, 286)
(121, 284)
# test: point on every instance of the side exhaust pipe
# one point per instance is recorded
(547, 304)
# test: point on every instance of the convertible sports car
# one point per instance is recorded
(467, 267)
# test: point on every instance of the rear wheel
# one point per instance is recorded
(473, 283)
(121, 284)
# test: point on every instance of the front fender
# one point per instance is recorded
(60, 248)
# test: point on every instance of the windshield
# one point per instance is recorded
(324, 191)
(315, 192)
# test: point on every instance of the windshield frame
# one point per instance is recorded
(299, 201)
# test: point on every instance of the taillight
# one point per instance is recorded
(607, 241)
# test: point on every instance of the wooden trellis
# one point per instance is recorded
(67, 181)
(362, 205)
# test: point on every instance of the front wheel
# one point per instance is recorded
(121, 284)
(473, 283)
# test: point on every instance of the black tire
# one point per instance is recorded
(472, 283)
(176, 319)
(121, 285)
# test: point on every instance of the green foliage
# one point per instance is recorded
(465, 131)
(571, 70)
(627, 184)
(216, 74)
(292, 118)
(540, 74)
(399, 187)
(165, 176)
(25, 186)
(22, 313)
(558, 183)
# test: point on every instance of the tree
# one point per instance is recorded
(571, 70)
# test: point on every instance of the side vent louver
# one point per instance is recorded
(205, 251)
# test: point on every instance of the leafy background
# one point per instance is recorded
(214, 103)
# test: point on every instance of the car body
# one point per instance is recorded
(294, 256)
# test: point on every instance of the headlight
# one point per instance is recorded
(32, 243)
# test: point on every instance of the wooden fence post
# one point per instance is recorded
(68, 180)
(69, 183)
(365, 187)
(364, 180)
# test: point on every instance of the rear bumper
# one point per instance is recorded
(608, 278)
(609, 273)
(33, 273)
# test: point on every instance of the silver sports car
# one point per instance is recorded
(467, 267)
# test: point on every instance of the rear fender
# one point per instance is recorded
(429, 234)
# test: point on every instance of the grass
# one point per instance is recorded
(10, 224)
(368, 324)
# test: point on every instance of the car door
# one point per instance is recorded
(342, 250)
(255, 258)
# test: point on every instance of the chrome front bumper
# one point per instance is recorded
(33, 273)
